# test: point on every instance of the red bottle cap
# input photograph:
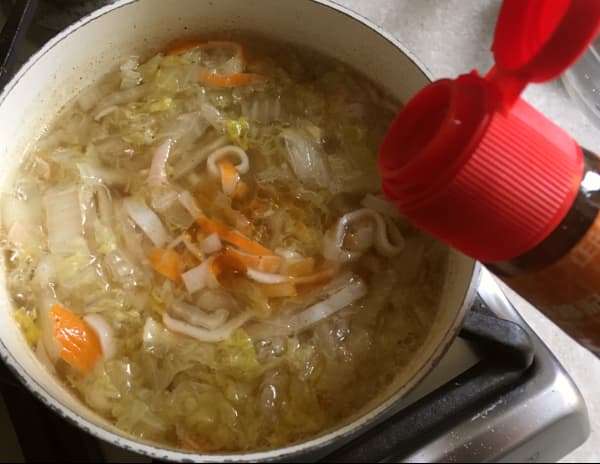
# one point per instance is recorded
(470, 162)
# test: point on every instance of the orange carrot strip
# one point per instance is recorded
(263, 263)
(229, 81)
(210, 226)
(167, 263)
(79, 344)
(230, 177)
(284, 290)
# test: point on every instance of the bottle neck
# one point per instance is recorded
(569, 232)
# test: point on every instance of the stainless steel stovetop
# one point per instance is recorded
(541, 419)
(534, 415)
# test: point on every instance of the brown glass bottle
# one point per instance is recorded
(561, 275)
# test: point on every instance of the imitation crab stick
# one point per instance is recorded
(79, 345)
(167, 263)
(210, 226)
(220, 80)
(230, 177)
(236, 263)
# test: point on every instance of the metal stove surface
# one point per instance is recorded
(541, 420)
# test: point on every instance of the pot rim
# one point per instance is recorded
(312, 445)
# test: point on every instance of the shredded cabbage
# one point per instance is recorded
(147, 220)
(130, 75)
(26, 321)
(224, 326)
(306, 158)
(238, 130)
(237, 357)
(64, 221)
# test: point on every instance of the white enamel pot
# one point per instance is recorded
(90, 48)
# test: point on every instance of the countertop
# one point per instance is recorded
(451, 37)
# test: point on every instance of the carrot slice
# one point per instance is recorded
(263, 263)
(283, 290)
(79, 344)
(167, 263)
(230, 177)
(229, 81)
(241, 79)
(210, 226)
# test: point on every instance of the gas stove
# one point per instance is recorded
(498, 395)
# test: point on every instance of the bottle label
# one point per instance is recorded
(568, 291)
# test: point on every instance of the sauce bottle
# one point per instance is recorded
(470, 162)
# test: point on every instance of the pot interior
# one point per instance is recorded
(91, 48)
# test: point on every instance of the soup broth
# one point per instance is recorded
(198, 247)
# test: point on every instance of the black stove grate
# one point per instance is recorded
(13, 35)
